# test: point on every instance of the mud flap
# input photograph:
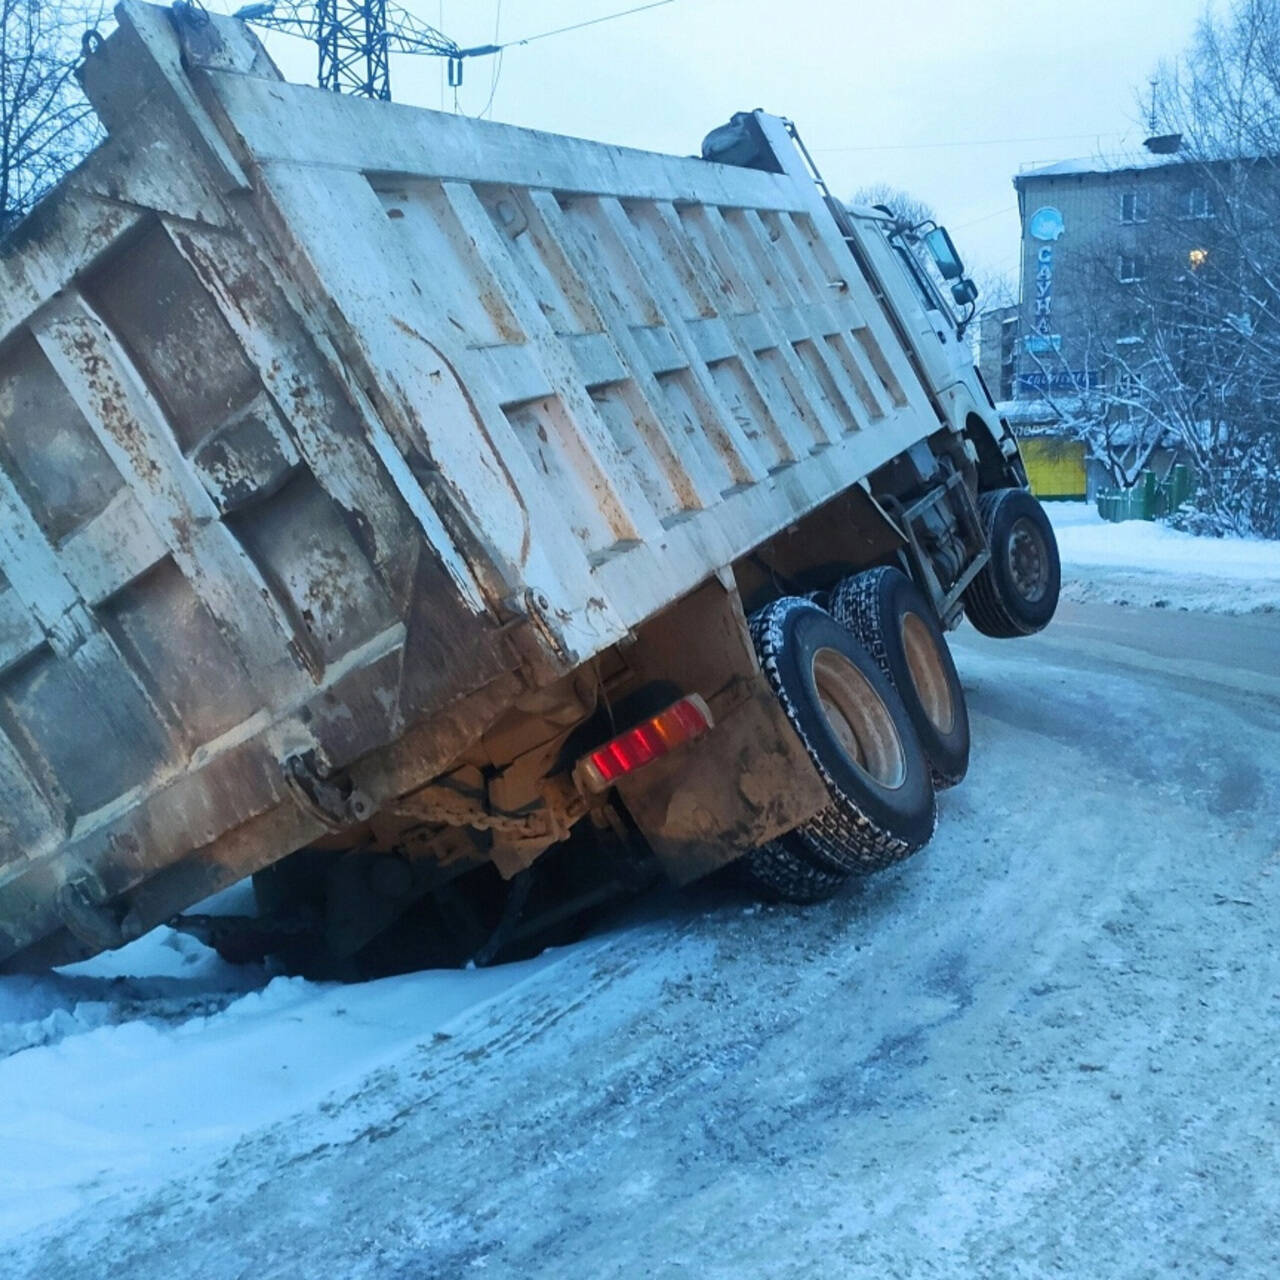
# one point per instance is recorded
(744, 783)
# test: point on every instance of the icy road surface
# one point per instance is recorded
(1046, 1046)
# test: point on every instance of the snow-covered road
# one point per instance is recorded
(1047, 1045)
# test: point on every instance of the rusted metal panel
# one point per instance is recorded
(327, 426)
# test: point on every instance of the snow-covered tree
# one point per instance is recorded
(1216, 331)
(1186, 337)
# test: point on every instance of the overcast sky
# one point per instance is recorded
(877, 89)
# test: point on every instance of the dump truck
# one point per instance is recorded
(393, 504)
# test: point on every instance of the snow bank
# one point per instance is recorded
(121, 1070)
(1142, 563)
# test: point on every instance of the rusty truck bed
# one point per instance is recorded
(328, 426)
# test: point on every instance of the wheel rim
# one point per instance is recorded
(1028, 560)
(928, 675)
(859, 719)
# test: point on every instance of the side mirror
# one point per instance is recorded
(944, 254)
(965, 292)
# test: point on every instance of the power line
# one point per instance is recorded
(590, 22)
(968, 142)
(489, 50)
(497, 65)
(986, 217)
(354, 38)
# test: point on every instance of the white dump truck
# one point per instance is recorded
(395, 504)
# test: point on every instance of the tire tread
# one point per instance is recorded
(858, 603)
(780, 874)
(982, 597)
(840, 837)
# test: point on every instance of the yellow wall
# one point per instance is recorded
(1055, 468)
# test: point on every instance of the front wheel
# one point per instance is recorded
(1016, 591)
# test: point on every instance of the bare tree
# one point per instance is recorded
(907, 208)
(1186, 342)
(46, 126)
(1216, 334)
(997, 289)
(1102, 392)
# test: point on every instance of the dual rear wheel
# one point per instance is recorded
(870, 688)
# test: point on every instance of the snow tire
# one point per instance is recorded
(1016, 591)
(896, 624)
(882, 808)
(778, 873)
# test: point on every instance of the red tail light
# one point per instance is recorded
(648, 741)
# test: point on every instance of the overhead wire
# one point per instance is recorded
(590, 22)
(497, 65)
(986, 217)
(499, 46)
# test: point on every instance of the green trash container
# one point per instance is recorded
(1147, 494)
(1179, 486)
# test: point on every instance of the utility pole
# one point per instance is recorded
(354, 38)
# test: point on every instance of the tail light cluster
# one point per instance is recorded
(650, 740)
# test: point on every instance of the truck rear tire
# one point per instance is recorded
(898, 627)
(1016, 592)
(858, 735)
(777, 873)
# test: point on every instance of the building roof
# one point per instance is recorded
(1038, 417)
(1120, 163)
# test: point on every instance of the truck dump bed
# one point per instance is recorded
(328, 427)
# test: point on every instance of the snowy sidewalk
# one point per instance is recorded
(1141, 563)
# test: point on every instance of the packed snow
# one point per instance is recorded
(1142, 562)
(1046, 1045)
(121, 1071)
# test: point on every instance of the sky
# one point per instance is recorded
(946, 99)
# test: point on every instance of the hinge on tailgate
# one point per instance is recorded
(84, 909)
(538, 610)
(334, 801)
(70, 629)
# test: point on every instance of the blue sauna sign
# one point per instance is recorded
(1045, 225)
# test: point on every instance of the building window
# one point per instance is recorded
(1135, 206)
(1194, 202)
(1128, 268)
